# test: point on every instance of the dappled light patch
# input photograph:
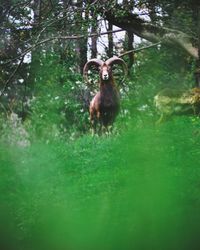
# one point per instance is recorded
(176, 102)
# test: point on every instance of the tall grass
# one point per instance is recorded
(137, 190)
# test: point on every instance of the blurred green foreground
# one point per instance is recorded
(139, 190)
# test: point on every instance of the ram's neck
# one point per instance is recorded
(109, 93)
(107, 85)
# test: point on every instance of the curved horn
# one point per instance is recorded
(117, 60)
(94, 61)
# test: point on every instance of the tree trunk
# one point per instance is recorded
(35, 54)
(36, 12)
(110, 41)
(94, 38)
(129, 5)
(83, 49)
(82, 44)
(197, 72)
(130, 47)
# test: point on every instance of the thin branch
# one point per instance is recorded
(139, 49)
(96, 1)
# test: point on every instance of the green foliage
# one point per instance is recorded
(58, 104)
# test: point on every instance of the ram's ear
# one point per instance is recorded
(96, 62)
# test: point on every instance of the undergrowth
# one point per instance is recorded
(137, 190)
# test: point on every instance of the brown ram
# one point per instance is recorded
(104, 106)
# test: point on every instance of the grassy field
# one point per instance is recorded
(138, 190)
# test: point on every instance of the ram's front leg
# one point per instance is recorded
(93, 124)
(100, 123)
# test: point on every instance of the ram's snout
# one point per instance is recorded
(105, 73)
